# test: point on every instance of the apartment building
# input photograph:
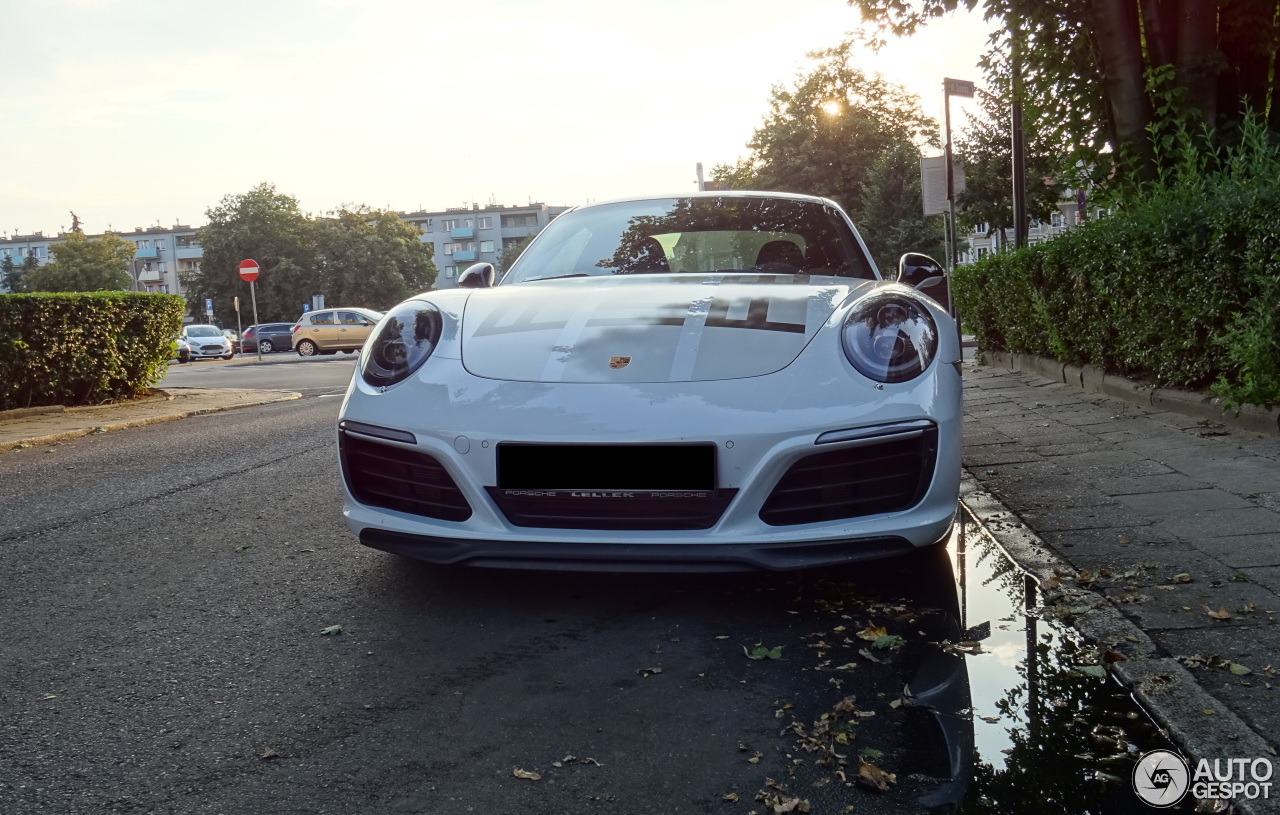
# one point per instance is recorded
(984, 239)
(460, 236)
(162, 254)
(466, 235)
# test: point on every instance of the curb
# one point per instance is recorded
(155, 395)
(1163, 686)
(1091, 379)
(285, 396)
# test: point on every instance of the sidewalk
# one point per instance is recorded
(1170, 528)
(32, 426)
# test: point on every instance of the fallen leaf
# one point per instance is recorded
(1238, 669)
(760, 651)
(723, 637)
(646, 672)
(269, 753)
(331, 631)
(889, 642)
(874, 776)
(525, 774)
(1181, 578)
(990, 719)
(1220, 614)
(731, 798)
(872, 633)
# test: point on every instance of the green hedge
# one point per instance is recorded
(1181, 288)
(78, 349)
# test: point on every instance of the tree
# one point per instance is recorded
(1106, 73)
(511, 250)
(986, 149)
(893, 221)
(371, 258)
(10, 275)
(268, 227)
(83, 264)
(851, 136)
(821, 136)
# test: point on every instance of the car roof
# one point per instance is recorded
(793, 196)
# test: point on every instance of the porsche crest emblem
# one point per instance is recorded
(619, 362)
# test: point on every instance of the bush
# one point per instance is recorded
(77, 349)
(1181, 286)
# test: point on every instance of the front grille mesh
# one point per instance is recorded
(380, 475)
(561, 510)
(870, 479)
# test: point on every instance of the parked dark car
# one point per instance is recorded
(272, 337)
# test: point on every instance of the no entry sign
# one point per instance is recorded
(249, 270)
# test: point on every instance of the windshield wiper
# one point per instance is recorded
(558, 277)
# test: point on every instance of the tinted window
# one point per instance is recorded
(696, 235)
(349, 318)
(322, 318)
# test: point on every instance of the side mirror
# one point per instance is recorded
(478, 276)
(926, 275)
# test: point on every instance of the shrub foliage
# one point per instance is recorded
(79, 349)
(1181, 286)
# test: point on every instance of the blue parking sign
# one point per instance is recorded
(306, 307)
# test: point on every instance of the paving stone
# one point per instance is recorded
(1243, 551)
(998, 454)
(1074, 448)
(1092, 517)
(1113, 463)
(1251, 521)
(1184, 606)
(1134, 485)
(1268, 576)
(1249, 695)
(1173, 505)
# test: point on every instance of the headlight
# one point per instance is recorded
(401, 343)
(890, 337)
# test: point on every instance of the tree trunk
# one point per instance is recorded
(1247, 36)
(1159, 28)
(1199, 60)
(1115, 35)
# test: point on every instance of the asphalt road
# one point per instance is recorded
(166, 590)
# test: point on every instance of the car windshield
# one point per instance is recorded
(712, 234)
(203, 331)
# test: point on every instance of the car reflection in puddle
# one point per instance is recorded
(987, 703)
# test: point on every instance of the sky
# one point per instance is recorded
(139, 113)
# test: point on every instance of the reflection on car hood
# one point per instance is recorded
(651, 328)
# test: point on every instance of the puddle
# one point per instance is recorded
(1052, 732)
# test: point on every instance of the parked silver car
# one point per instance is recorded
(207, 342)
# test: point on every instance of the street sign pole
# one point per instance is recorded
(253, 292)
(249, 272)
(239, 325)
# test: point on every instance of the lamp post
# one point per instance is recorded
(1019, 144)
(950, 88)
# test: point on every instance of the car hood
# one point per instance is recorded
(650, 328)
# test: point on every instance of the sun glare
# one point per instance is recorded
(831, 107)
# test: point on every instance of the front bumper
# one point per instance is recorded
(617, 557)
(760, 427)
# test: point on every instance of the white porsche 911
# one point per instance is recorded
(713, 382)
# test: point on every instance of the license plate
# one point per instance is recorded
(644, 467)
